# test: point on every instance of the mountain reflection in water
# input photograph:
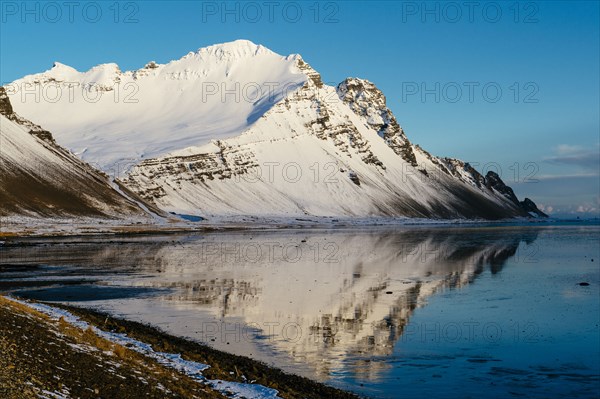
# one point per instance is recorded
(319, 298)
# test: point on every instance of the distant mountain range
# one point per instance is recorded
(231, 129)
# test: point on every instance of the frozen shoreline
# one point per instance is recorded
(35, 227)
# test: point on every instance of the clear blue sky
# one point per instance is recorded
(546, 52)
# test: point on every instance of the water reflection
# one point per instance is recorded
(321, 299)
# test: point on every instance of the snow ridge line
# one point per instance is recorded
(157, 218)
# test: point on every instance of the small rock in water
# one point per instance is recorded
(389, 292)
(584, 284)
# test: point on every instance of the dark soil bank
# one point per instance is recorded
(222, 364)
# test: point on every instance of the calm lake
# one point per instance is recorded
(451, 312)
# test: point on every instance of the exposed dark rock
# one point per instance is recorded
(354, 177)
(313, 75)
(530, 207)
(493, 181)
(5, 105)
(6, 109)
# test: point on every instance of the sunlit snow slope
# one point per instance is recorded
(112, 118)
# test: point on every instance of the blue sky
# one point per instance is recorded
(440, 64)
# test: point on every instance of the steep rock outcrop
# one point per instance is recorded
(369, 102)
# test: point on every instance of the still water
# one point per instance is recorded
(456, 312)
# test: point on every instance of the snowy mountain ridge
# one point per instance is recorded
(215, 92)
(195, 144)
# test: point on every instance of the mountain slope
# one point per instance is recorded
(117, 118)
(300, 148)
(40, 178)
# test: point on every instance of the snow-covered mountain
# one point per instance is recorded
(235, 129)
(41, 179)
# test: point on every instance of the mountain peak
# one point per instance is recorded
(232, 50)
(60, 70)
(59, 65)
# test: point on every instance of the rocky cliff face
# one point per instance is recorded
(6, 109)
(5, 106)
(369, 102)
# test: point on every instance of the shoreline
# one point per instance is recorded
(224, 371)
(124, 230)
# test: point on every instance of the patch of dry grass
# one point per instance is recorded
(22, 308)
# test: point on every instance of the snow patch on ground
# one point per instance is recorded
(52, 395)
